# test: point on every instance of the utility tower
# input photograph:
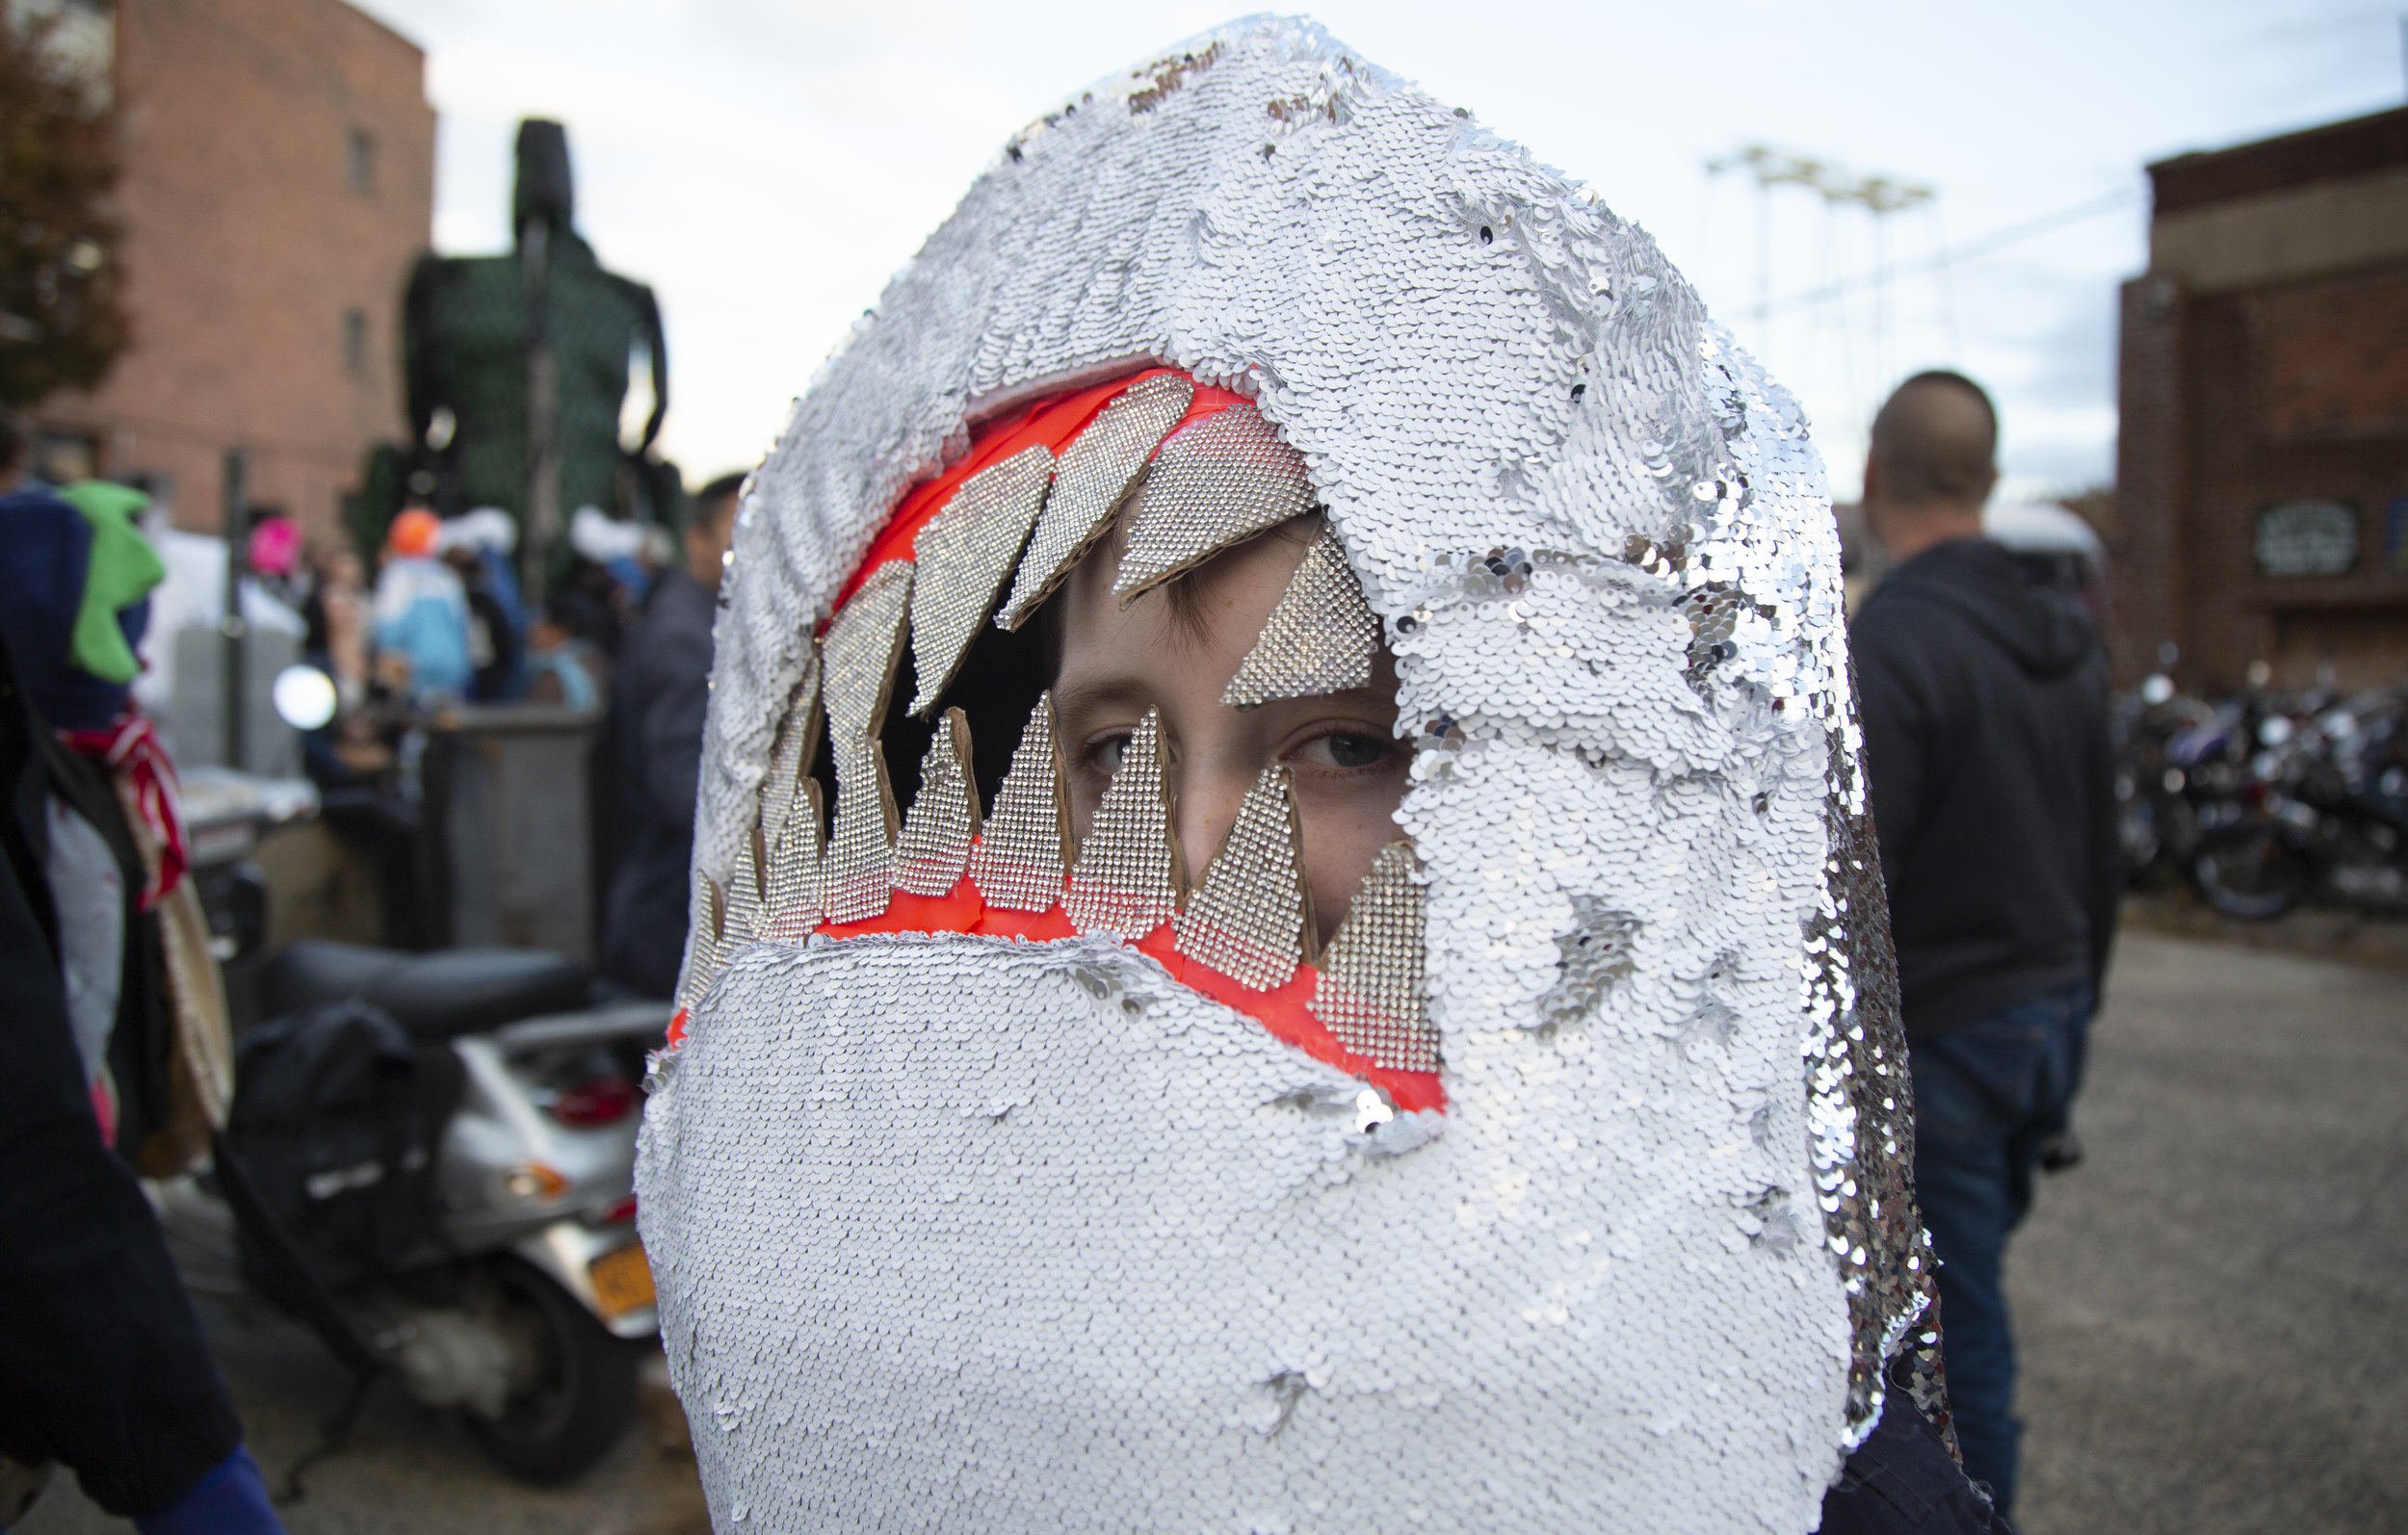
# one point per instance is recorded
(1879, 196)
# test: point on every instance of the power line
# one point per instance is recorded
(1996, 240)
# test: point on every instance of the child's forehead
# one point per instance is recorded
(1219, 603)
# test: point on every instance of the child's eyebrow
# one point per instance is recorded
(1100, 694)
(1363, 700)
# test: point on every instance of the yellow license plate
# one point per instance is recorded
(622, 1281)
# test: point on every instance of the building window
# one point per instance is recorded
(359, 161)
(355, 340)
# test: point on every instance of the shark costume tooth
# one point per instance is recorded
(1216, 483)
(856, 874)
(964, 557)
(1252, 919)
(741, 919)
(1370, 990)
(1014, 1228)
(1089, 484)
(859, 656)
(703, 914)
(944, 817)
(790, 758)
(1322, 638)
(1127, 879)
(792, 901)
(1019, 861)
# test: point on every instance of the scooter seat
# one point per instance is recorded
(435, 996)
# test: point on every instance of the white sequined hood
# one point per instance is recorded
(957, 1232)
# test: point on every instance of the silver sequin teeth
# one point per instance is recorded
(1127, 879)
(1090, 483)
(793, 907)
(742, 923)
(857, 655)
(944, 819)
(1019, 859)
(1250, 919)
(1321, 638)
(1369, 988)
(1216, 483)
(790, 756)
(703, 915)
(856, 874)
(962, 555)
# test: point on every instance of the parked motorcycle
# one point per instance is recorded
(2267, 802)
(2328, 793)
(520, 1303)
(520, 1308)
(2157, 819)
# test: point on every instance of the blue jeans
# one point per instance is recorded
(1987, 1098)
(230, 1500)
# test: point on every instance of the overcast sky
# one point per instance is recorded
(765, 165)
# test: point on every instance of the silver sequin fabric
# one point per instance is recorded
(1214, 484)
(858, 657)
(1864, 1115)
(1320, 638)
(962, 558)
(971, 1234)
(1094, 475)
(1018, 864)
(1247, 919)
(1127, 878)
(1369, 988)
(944, 816)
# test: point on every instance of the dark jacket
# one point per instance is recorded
(1903, 1481)
(101, 1360)
(1985, 716)
(658, 698)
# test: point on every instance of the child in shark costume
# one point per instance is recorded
(1378, 1010)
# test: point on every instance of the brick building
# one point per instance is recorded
(2262, 468)
(278, 182)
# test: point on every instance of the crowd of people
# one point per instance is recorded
(116, 1057)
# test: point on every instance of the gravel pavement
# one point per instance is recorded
(2213, 1306)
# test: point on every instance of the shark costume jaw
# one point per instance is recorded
(1117, 1227)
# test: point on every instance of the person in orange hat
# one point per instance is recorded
(419, 621)
(414, 534)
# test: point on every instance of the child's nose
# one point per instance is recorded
(1209, 791)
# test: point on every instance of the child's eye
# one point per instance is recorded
(1104, 755)
(1344, 749)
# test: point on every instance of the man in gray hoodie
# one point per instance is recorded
(1985, 716)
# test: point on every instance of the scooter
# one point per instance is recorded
(523, 1310)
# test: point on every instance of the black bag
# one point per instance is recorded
(335, 1119)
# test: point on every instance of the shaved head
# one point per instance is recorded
(1935, 443)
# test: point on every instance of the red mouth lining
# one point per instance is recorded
(1282, 1012)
